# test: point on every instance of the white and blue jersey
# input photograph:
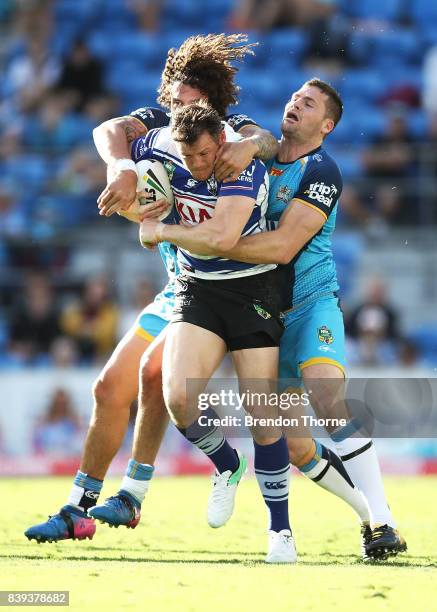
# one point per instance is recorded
(195, 202)
(154, 318)
(314, 180)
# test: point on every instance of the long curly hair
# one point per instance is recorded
(204, 62)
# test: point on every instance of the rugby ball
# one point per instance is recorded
(153, 178)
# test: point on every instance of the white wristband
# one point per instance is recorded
(124, 164)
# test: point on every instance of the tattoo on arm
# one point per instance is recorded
(133, 128)
(267, 145)
(266, 142)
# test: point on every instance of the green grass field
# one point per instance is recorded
(174, 561)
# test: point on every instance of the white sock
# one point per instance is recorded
(330, 478)
(365, 472)
(75, 496)
(137, 488)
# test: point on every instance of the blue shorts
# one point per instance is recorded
(314, 333)
(157, 315)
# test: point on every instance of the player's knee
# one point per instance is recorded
(106, 393)
(101, 391)
(300, 450)
(150, 373)
(177, 405)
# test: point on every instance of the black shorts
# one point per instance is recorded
(243, 311)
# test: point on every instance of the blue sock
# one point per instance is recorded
(211, 441)
(85, 491)
(136, 480)
(315, 460)
(272, 469)
(139, 471)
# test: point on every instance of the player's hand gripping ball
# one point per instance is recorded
(152, 188)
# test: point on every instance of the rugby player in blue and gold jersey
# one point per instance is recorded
(305, 186)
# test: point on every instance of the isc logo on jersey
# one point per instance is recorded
(324, 194)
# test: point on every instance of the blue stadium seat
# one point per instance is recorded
(131, 82)
(396, 47)
(402, 75)
(140, 47)
(30, 172)
(387, 10)
(348, 159)
(418, 123)
(80, 12)
(424, 12)
(392, 47)
(359, 125)
(425, 337)
(263, 86)
(118, 13)
(347, 248)
(362, 83)
(429, 34)
(285, 43)
(187, 14)
(100, 45)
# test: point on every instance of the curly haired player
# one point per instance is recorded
(200, 69)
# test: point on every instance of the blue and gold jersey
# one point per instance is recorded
(314, 180)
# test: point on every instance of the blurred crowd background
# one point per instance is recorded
(72, 283)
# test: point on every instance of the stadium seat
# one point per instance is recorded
(80, 12)
(127, 79)
(117, 12)
(396, 47)
(29, 171)
(347, 248)
(183, 14)
(364, 84)
(390, 47)
(285, 43)
(429, 34)
(348, 159)
(264, 86)
(386, 10)
(425, 337)
(418, 123)
(139, 47)
(423, 12)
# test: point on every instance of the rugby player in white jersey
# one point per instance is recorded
(221, 305)
(307, 333)
(200, 69)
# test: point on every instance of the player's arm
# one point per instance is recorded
(215, 235)
(114, 137)
(264, 143)
(112, 140)
(313, 202)
(234, 157)
(298, 224)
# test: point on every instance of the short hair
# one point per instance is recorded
(190, 122)
(204, 63)
(334, 104)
